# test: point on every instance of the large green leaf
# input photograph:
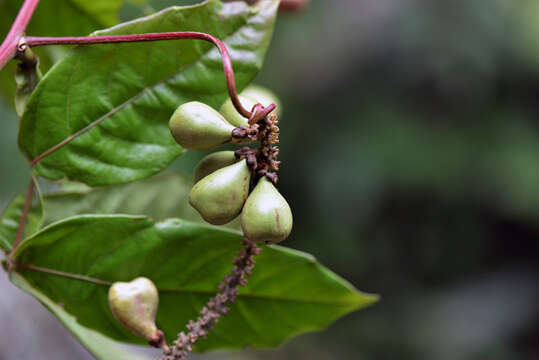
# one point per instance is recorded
(100, 346)
(289, 292)
(55, 18)
(9, 220)
(129, 91)
(158, 197)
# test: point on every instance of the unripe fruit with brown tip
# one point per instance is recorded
(264, 96)
(266, 216)
(134, 304)
(197, 126)
(219, 197)
(249, 97)
(213, 162)
(232, 115)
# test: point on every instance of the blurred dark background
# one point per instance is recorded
(410, 149)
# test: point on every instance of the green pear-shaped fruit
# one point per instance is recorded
(232, 115)
(212, 162)
(266, 216)
(134, 304)
(197, 126)
(265, 96)
(219, 197)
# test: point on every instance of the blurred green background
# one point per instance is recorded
(410, 149)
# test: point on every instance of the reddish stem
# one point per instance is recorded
(227, 61)
(9, 47)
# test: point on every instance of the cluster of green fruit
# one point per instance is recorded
(224, 179)
(225, 187)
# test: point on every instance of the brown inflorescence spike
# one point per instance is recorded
(216, 307)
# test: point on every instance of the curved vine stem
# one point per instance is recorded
(9, 46)
(33, 41)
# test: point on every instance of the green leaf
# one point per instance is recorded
(64, 17)
(289, 292)
(9, 220)
(55, 18)
(129, 91)
(159, 197)
(100, 346)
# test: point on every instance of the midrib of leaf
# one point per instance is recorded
(273, 297)
(141, 93)
(99, 282)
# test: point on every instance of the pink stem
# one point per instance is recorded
(8, 49)
(227, 61)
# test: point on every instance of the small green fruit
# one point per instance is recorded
(220, 196)
(134, 304)
(197, 126)
(213, 162)
(232, 115)
(266, 216)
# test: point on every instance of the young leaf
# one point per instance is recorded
(124, 94)
(289, 292)
(100, 346)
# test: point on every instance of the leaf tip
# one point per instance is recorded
(364, 299)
